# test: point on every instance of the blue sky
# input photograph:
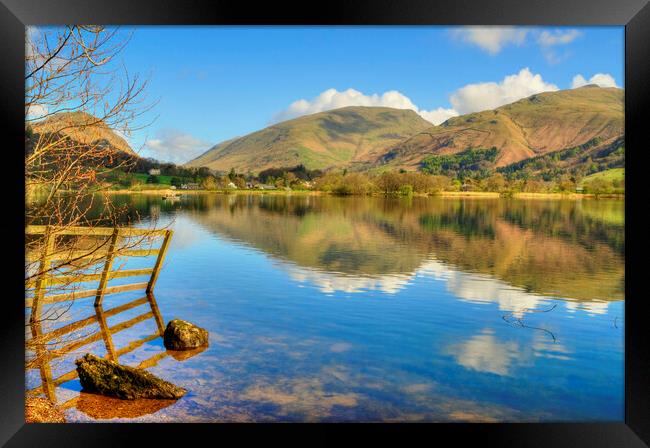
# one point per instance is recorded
(215, 83)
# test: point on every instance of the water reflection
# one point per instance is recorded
(485, 353)
(566, 249)
(60, 346)
(372, 309)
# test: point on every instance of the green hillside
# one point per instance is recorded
(346, 137)
(612, 175)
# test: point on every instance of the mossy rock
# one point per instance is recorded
(110, 378)
(182, 335)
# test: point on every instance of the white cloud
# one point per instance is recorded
(171, 145)
(494, 38)
(333, 99)
(36, 111)
(491, 38)
(467, 99)
(549, 39)
(439, 115)
(600, 79)
(557, 37)
(488, 95)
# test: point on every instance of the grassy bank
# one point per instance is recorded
(444, 194)
(566, 196)
(164, 191)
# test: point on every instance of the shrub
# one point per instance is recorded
(209, 183)
(599, 186)
(406, 190)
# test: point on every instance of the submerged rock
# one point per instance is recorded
(110, 378)
(42, 410)
(101, 407)
(182, 335)
(183, 355)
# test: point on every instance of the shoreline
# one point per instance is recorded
(443, 194)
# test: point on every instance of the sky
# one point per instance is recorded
(213, 83)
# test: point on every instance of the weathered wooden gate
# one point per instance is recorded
(101, 255)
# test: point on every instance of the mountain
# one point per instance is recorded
(82, 128)
(345, 137)
(530, 127)
(379, 138)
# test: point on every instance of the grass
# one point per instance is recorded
(162, 180)
(613, 175)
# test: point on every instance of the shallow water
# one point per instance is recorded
(372, 309)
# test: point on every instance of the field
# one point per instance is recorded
(163, 180)
(611, 175)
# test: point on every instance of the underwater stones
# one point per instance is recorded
(42, 410)
(182, 335)
(110, 378)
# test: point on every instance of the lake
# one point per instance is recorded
(325, 308)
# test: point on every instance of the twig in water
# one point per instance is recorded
(519, 320)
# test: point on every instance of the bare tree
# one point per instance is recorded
(77, 97)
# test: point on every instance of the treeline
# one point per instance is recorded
(466, 171)
(471, 163)
(407, 183)
(576, 162)
(288, 174)
(143, 165)
(402, 183)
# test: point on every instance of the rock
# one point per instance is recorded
(182, 355)
(42, 410)
(110, 378)
(182, 335)
(101, 407)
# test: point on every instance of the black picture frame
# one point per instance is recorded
(633, 14)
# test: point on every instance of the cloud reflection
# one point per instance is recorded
(470, 287)
(485, 353)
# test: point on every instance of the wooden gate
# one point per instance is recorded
(57, 264)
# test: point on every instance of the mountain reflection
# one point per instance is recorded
(490, 250)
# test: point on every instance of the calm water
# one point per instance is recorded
(375, 309)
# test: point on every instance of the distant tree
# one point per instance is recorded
(289, 178)
(209, 183)
(599, 186)
(534, 186)
(153, 179)
(496, 182)
(232, 174)
(566, 185)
